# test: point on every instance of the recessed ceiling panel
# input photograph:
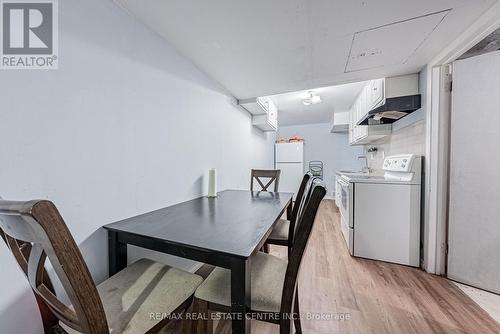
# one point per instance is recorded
(391, 44)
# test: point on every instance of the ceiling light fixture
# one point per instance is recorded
(311, 99)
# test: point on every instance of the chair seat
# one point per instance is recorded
(280, 230)
(267, 279)
(141, 289)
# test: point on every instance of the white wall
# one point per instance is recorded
(410, 139)
(125, 125)
(331, 148)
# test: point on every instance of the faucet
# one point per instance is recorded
(365, 169)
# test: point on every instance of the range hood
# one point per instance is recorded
(393, 109)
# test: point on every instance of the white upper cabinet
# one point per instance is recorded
(264, 112)
(351, 124)
(340, 121)
(272, 115)
(376, 93)
(370, 97)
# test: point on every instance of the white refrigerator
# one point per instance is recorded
(289, 158)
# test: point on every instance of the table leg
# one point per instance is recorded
(117, 253)
(240, 295)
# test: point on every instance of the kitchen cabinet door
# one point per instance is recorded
(359, 111)
(360, 105)
(272, 116)
(376, 93)
(267, 121)
(362, 132)
(351, 127)
(363, 108)
(352, 135)
(372, 95)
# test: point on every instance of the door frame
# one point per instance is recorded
(438, 109)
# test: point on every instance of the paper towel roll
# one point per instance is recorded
(212, 183)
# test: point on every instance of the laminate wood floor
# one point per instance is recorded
(376, 297)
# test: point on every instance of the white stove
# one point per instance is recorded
(380, 214)
(403, 169)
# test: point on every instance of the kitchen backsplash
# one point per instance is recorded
(410, 139)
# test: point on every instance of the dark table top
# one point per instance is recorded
(234, 222)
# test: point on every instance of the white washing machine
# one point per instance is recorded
(381, 213)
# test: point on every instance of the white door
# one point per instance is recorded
(290, 177)
(474, 225)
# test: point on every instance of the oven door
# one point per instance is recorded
(344, 198)
(337, 191)
(345, 213)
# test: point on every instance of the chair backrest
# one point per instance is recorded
(35, 230)
(301, 206)
(302, 195)
(304, 224)
(273, 175)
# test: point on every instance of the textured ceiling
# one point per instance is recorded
(261, 47)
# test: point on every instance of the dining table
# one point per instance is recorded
(223, 231)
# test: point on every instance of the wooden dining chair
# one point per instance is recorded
(265, 178)
(273, 280)
(282, 234)
(124, 303)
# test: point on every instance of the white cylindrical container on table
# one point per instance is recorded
(212, 183)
